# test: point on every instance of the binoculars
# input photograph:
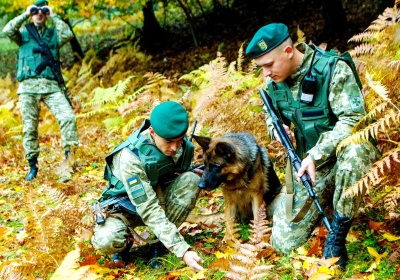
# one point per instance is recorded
(35, 10)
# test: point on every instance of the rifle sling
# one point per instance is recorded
(290, 196)
(33, 31)
(132, 230)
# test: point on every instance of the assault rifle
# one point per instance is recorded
(48, 60)
(202, 167)
(112, 205)
(294, 158)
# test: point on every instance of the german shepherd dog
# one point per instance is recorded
(244, 171)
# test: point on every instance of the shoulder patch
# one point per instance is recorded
(136, 189)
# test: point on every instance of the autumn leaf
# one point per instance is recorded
(69, 269)
(390, 237)
(4, 231)
(375, 225)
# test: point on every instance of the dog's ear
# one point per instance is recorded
(226, 150)
(204, 142)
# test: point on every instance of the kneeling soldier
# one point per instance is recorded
(152, 167)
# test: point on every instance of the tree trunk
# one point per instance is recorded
(335, 17)
(190, 20)
(76, 47)
(153, 34)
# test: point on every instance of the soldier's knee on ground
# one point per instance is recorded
(111, 236)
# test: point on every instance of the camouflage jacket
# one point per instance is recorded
(64, 34)
(345, 100)
(125, 165)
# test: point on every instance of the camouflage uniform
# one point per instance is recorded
(180, 198)
(32, 91)
(340, 171)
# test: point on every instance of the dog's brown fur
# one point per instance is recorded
(243, 170)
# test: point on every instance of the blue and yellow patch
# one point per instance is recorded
(136, 189)
(132, 181)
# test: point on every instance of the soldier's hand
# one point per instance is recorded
(287, 130)
(192, 260)
(307, 165)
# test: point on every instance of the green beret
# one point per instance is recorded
(267, 38)
(169, 120)
(41, 3)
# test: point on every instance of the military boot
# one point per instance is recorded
(124, 255)
(156, 251)
(66, 168)
(33, 169)
(335, 244)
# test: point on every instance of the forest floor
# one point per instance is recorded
(236, 29)
(36, 239)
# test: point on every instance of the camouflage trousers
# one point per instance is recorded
(332, 182)
(180, 198)
(30, 112)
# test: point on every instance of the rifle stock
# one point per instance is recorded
(293, 157)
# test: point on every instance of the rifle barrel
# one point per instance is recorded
(294, 158)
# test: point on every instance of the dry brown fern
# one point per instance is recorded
(46, 245)
(363, 49)
(381, 93)
(224, 100)
(388, 122)
(246, 264)
(381, 170)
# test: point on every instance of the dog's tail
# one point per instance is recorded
(205, 219)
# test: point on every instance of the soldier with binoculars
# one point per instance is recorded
(39, 75)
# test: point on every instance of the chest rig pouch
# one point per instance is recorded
(313, 118)
(29, 59)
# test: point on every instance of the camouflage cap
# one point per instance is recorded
(169, 120)
(41, 3)
(266, 39)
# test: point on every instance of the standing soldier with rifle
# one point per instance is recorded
(39, 74)
(320, 94)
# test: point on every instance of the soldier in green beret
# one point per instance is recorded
(153, 168)
(320, 95)
(41, 86)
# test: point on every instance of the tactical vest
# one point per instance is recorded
(28, 59)
(310, 120)
(156, 164)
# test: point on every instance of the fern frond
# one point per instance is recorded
(300, 35)
(156, 79)
(113, 124)
(370, 131)
(107, 95)
(395, 64)
(240, 59)
(363, 49)
(377, 86)
(362, 37)
(387, 18)
(381, 167)
(101, 110)
(136, 93)
(132, 123)
(376, 110)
